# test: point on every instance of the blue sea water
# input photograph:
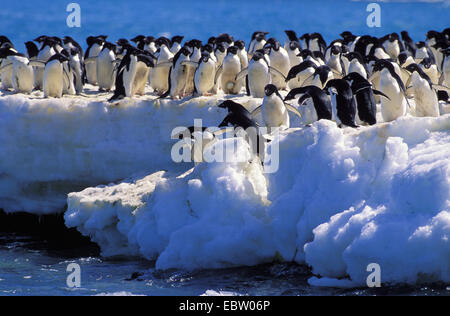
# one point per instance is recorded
(27, 269)
(25, 20)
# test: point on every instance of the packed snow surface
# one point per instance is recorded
(340, 200)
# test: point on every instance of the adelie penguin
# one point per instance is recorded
(425, 96)
(274, 110)
(175, 44)
(126, 73)
(257, 42)
(239, 117)
(320, 77)
(320, 107)
(54, 72)
(95, 45)
(342, 101)
(298, 74)
(279, 59)
(160, 74)
(204, 75)
(391, 85)
(228, 72)
(106, 67)
(47, 50)
(178, 74)
(365, 100)
(22, 78)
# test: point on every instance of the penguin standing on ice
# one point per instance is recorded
(126, 73)
(204, 74)
(392, 86)
(95, 45)
(274, 110)
(54, 72)
(229, 70)
(160, 74)
(321, 104)
(178, 74)
(279, 59)
(424, 95)
(298, 74)
(365, 100)
(22, 78)
(342, 101)
(106, 67)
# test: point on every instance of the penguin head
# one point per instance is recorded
(59, 57)
(270, 89)
(426, 62)
(322, 72)
(293, 45)
(208, 48)
(149, 39)
(381, 64)
(259, 36)
(7, 51)
(257, 56)
(221, 47)
(354, 76)
(176, 39)
(231, 106)
(240, 44)
(122, 42)
(185, 51)
(40, 39)
(292, 36)
(413, 67)
(405, 36)
(348, 36)
(232, 50)
(432, 34)
(225, 38)
(273, 43)
(194, 43)
(305, 53)
(32, 49)
(420, 44)
(212, 40)
(205, 57)
(108, 45)
(138, 39)
(402, 57)
(336, 49)
(393, 37)
(162, 41)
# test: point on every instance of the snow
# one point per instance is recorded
(51, 147)
(340, 199)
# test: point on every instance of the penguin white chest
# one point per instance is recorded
(274, 112)
(53, 79)
(258, 78)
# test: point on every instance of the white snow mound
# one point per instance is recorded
(341, 199)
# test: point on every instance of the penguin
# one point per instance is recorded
(76, 66)
(53, 81)
(378, 51)
(422, 51)
(150, 44)
(304, 41)
(239, 117)
(225, 39)
(175, 44)
(70, 44)
(432, 39)
(320, 77)
(143, 68)
(6, 65)
(32, 50)
(258, 75)
(334, 61)
(298, 74)
(204, 74)
(291, 37)
(365, 99)
(22, 75)
(445, 77)
(220, 52)
(317, 43)
(293, 51)
(178, 74)
(195, 56)
(408, 43)
(95, 45)
(47, 50)
(279, 59)
(257, 42)
(228, 71)
(357, 64)
(392, 45)
(430, 69)
(106, 67)
(424, 95)
(321, 103)
(159, 80)
(242, 53)
(275, 110)
(391, 85)
(209, 48)
(342, 101)
(122, 43)
(126, 73)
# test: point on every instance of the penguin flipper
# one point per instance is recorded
(241, 74)
(6, 68)
(275, 71)
(293, 110)
(37, 63)
(257, 110)
(218, 73)
(380, 93)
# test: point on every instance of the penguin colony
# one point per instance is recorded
(342, 81)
